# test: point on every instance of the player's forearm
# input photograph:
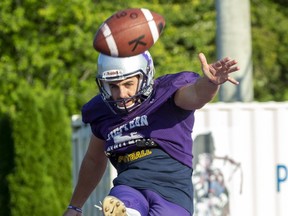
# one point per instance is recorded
(196, 95)
(205, 90)
(89, 176)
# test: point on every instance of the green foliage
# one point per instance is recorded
(270, 56)
(189, 30)
(58, 146)
(39, 144)
(51, 42)
(29, 179)
(41, 40)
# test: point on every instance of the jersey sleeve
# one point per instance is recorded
(167, 85)
(92, 113)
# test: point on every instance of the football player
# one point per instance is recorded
(143, 126)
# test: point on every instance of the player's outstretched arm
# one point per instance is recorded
(196, 95)
(92, 169)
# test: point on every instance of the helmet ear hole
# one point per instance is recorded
(104, 88)
(107, 89)
(140, 82)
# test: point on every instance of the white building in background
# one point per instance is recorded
(254, 135)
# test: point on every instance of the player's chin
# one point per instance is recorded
(126, 105)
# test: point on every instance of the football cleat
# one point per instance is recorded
(112, 206)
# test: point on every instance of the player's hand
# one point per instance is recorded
(71, 212)
(219, 72)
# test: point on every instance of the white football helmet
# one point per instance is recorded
(112, 69)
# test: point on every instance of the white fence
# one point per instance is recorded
(253, 134)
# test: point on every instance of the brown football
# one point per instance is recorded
(129, 32)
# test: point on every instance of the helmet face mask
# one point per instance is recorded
(111, 69)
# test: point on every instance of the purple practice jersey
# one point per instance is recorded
(157, 118)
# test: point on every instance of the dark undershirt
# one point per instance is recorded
(153, 169)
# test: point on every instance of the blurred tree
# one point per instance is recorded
(270, 51)
(38, 144)
(51, 41)
(46, 41)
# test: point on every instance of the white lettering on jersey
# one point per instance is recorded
(138, 121)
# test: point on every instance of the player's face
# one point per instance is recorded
(124, 89)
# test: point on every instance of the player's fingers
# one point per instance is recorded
(202, 59)
(231, 63)
(232, 80)
(217, 65)
(225, 60)
(221, 63)
(233, 69)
